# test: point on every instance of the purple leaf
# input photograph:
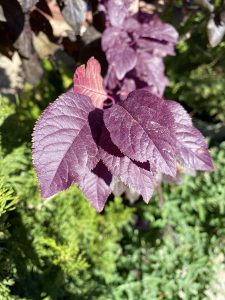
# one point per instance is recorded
(159, 31)
(110, 80)
(135, 175)
(113, 37)
(179, 113)
(87, 84)
(150, 69)
(131, 25)
(63, 146)
(157, 107)
(128, 86)
(156, 48)
(117, 12)
(136, 131)
(96, 186)
(191, 148)
(123, 58)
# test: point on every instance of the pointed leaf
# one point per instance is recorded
(180, 115)
(110, 79)
(89, 82)
(159, 31)
(63, 147)
(135, 175)
(96, 186)
(156, 48)
(123, 58)
(128, 86)
(117, 11)
(150, 69)
(192, 149)
(113, 37)
(139, 134)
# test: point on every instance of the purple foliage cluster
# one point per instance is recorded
(135, 44)
(76, 140)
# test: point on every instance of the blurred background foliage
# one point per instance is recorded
(197, 74)
(172, 248)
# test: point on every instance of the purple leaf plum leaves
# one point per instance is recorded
(63, 147)
(139, 134)
(135, 45)
(180, 115)
(192, 149)
(117, 12)
(133, 174)
(96, 186)
(150, 69)
(123, 59)
(77, 141)
(87, 84)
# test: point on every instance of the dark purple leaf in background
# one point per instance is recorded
(159, 31)
(131, 25)
(15, 19)
(117, 12)
(63, 147)
(123, 58)
(110, 80)
(113, 37)
(156, 48)
(150, 69)
(128, 86)
(136, 131)
(96, 186)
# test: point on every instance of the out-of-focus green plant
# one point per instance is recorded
(197, 75)
(7, 204)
